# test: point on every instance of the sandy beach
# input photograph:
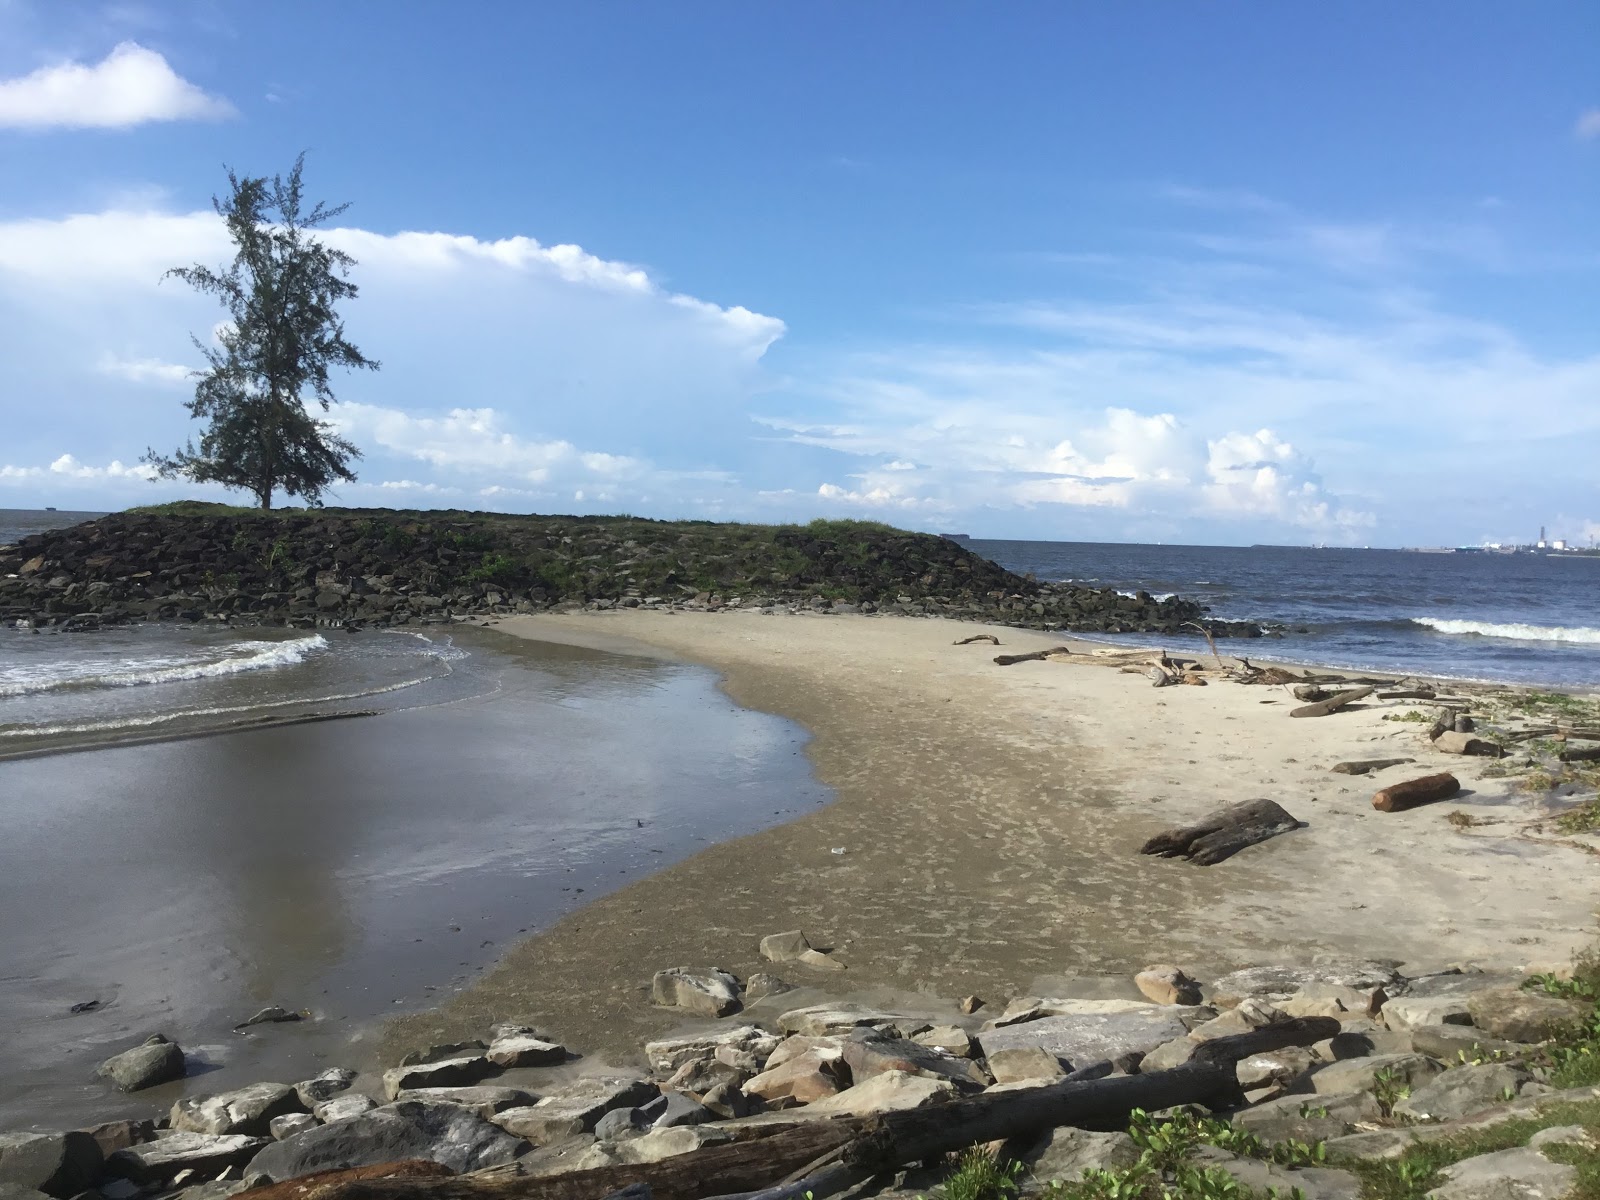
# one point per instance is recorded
(985, 830)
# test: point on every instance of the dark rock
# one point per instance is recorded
(155, 1062)
(272, 1015)
(442, 1133)
(152, 1162)
(58, 1164)
(119, 1135)
(441, 1051)
(245, 1110)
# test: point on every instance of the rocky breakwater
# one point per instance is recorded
(1331, 1080)
(348, 568)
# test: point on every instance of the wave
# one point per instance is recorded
(1158, 597)
(1518, 632)
(234, 660)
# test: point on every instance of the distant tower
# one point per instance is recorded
(1541, 537)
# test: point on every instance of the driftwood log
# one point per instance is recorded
(1222, 834)
(823, 1157)
(1421, 693)
(978, 637)
(1363, 766)
(1005, 660)
(1581, 754)
(1398, 797)
(1332, 704)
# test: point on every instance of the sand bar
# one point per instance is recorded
(988, 819)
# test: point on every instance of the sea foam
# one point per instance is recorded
(136, 672)
(1519, 632)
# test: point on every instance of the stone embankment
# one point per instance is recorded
(1355, 1065)
(350, 568)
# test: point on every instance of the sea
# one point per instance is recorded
(202, 821)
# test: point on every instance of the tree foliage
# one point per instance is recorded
(272, 359)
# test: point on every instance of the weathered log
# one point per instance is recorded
(1005, 660)
(1452, 742)
(1581, 754)
(1421, 693)
(1223, 833)
(326, 1183)
(978, 637)
(1398, 797)
(1332, 704)
(1364, 766)
(1310, 692)
(1158, 676)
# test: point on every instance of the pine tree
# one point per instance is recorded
(272, 359)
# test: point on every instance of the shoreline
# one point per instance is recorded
(1034, 883)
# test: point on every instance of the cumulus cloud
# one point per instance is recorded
(131, 86)
(146, 370)
(68, 468)
(1589, 124)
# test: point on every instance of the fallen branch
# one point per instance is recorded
(1210, 641)
(978, 637)
(1422, 693)
(1222, 834)
(1364, 766)
(1332, 704)
(1582, 754)
(1005, 660)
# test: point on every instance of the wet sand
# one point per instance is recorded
(984, 836)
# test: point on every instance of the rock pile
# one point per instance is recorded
(1411, 1059)
(382, 567)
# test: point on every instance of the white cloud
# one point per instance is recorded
(146, 370)
(67, 468)
(876, 495)
(130, 86)
(1588, 125)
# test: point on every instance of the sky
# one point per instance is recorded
(1217, 274)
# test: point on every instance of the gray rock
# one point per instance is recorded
(485, 1101)
(1308, 1118)
(449, 1072)
(1333, 1000)
(1460, 983)
(889, 1091)
(1169, 1054)
(152, 1162)
(728, 1101)
(1462, 1091)
(1282, 1067)
(342, 1108)
(155, 1062)
(711, 993)
(825, 1020)
(668, 1054)
(1562, 1135)
(575, 1109)
(784, 947)
(1360, 1074)
(869, 1052)
(324, 1086)
(1265, 1179)
(761, 985)
(525, 1050)
(1025, 1064)
(442, 1133)
(1164, 983)
(15, 1191)
(1091, 1037)
(290, 1124)
(951, 1039)
(1249, 1014)
(58, 1164)
(1383, 1144)
(651, 1147)
(1279, 983)
(440, 1051)
(115, 1135)
(1451, 1042)
(672, 1109)
(273, 1014)
(244, 1110)
(1409, 1012)
(1362, 1038)
(1518, 1015)
(1519, 1174)
(1065, 1153)
(620, 1123)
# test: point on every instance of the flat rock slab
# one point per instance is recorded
(342, 1108)
(1520, 1015)
(1279, 983)
(1463, 1091)
(666, 1055)
(448, 1072)
(1360, 1074)
(891, 1091)
(441, 1133)
(324, 1086)
(1268, 1179)
(575, 1109)
(1519, 1174)
(483, 1100)
(1308, 1118)
(163, 1158)
(244, 1110)
(825, 1020)
(525, 1051)
(1410, 1012)
(1065, 1153)
(1091, 1037)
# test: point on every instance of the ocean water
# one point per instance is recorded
(1509, 617)
(18, 523)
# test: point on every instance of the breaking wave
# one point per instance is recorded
(136, 672)
(1522, 633)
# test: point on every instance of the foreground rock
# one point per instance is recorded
(1520, 1174)
(155, 1062)
(57, 1164)
(245, 1110)
(160, 1160)
(1090, 1037)
(710, 993)
(448, 1072)
(1519, 1015)
(441, 1133)
(575, 1109)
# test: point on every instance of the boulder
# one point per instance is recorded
(1383, 1144)
(761, 985)
(155, 1062)
(1269, 1179)
(1452, 1042)
(1334, 1000)
(952, 1039)
(57, 1164)
(1091, 1037)
(1464, 743)
(576, 1108)
(342, 1108)
(1459, 982)
(1360, 1038)
(784, 947)
(1065, 1153)
(1167, 984)
(1279, 1067)
(890, 1091)
(1308, 1118)
(710, 993)
(651, 1147)
(483, 1100)
(324, 1086)
(1164, 1057)
(290, 1124)
(160, 1160)
(668, 1054)
(118, 1135)
(1519, 1015)
(15, 1191)
(273, 1014)
(441, 1133)
(823, 1020)
(810, 1076)
(1520, 1174)
(1247, 1016)
(1361, 1074)
(1463, 1091)
(728, 1102)
(524, 1050)
(244, 1110)
(1409, 1012)
(1026, 1064)
(1279, 983)
(449, 1072)
(440, 1051)
(671, 1109)
(869, 1052)
(1031, 1008)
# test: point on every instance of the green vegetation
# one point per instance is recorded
(1585, 818)
(197, 508)
(1389, 1087)
(273, 356)
(979, 1175)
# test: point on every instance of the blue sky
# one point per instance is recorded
(1224, 273)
